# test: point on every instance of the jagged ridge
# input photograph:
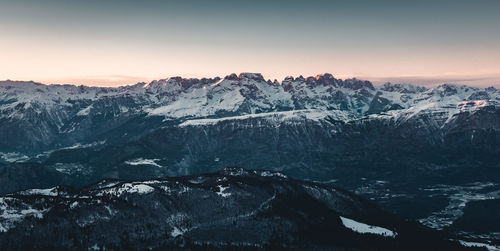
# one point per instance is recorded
(45, 117)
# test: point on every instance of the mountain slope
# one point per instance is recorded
(233, 208)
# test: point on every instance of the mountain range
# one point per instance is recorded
(427, 154)
(37, 117)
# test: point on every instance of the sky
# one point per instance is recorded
(117, 42)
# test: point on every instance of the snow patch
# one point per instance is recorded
(472, 105)
(141, 189)
(84, 112)
(9, 217)
(273, 174)
(279, 117)
(13, 157)
(176, 232)
(222, 191)
(458, 196)
(141, 161)
(79, 146)
(73, 205)
(366, 229)
(127, 188)
(478, 244)
(45, 192)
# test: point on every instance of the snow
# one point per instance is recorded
(198, 180)
(141, 161)
(247, 96)
(45, 192)
(9, 217)
(13, 157)
(72, 168)
(73, 205)
(189, 104)
(472, 105)
(54, 98)
(274, 116)
(176, 232)
(141, 189)
(458, 197)
(225, 95)
(366, 229)
(273, 174)
(79, 146)
(107, 184)
(84, 112)
(216, 83)
(478, 244)
(95, 247)
(222, 191)
(126, 188)
(231, 171)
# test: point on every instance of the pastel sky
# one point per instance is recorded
(118, 42)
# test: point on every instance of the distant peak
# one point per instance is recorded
(184, 82)
(231, 76)
(254, 76)
(245, 75)
(9, 82)
(175, 79)
(324, 76)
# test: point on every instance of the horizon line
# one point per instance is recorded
(117, 80)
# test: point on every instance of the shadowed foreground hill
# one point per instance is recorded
(230, 209)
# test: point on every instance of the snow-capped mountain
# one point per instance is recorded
(231, 209)
(36, 117)
(392, 143)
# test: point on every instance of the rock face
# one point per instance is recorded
(231, 209)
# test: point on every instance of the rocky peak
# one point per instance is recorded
(491, 89)
(288, 79)
(156, 83)
(300, 79)
(178, 81)
(231, 76)
(447, 89)
(402, 88)
(9, 84)
(253, 76)
(356, 84)
(325, 79)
